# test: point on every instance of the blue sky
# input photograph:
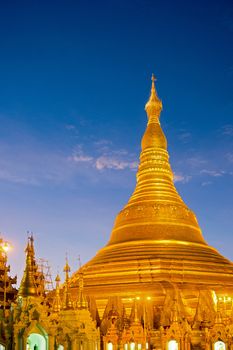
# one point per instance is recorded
(74, 79)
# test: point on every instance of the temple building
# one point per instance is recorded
(41, 322)
(156, 285)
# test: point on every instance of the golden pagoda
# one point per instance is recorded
(156, 285)
(156, 251)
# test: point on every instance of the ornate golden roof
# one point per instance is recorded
(156, 237)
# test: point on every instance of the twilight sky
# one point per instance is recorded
(74, 79)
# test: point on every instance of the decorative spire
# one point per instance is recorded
(67, 303)
(81, 302)
(113, 315)
(28, 285)
(155, 211)
(175, 312)
(136, 320)
(57, 300)
(154, 105)
(135, 309)
(31, 242)
(154, 136)
(135, 332)
(218, 317)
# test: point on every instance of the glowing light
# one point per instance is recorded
(110, 346)
(173, 345)
(219, 345)
(215, 299)
(148, 298)
(132, 346)
(138, 298)
(36, 341)
(6, 247)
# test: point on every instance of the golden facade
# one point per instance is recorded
(157, 284)
(43, 322)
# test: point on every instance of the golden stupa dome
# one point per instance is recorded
(156, 239)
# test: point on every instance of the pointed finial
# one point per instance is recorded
(31, 243)
(81, 302)
(67, 303)
(67, 267)
(154, 105)
(79, 261)
(57, 280)
(175, 312)
(28, 285)
(57, 299)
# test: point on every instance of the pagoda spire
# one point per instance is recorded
(67, 303)
(155, 210)
(136, 319)
(175, 312)
(57, 300)
(154, 105)
(28, 285)
(81, 302)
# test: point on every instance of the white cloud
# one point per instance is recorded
(227, 130)
(108, 159)
(184, 136)
(181, 178)
(70, 127)
(196, 162)
(103, 142)
(214, 173)
(206, 183)
(106, 162)
(9, 177)
(178, 178)
(81, 158)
